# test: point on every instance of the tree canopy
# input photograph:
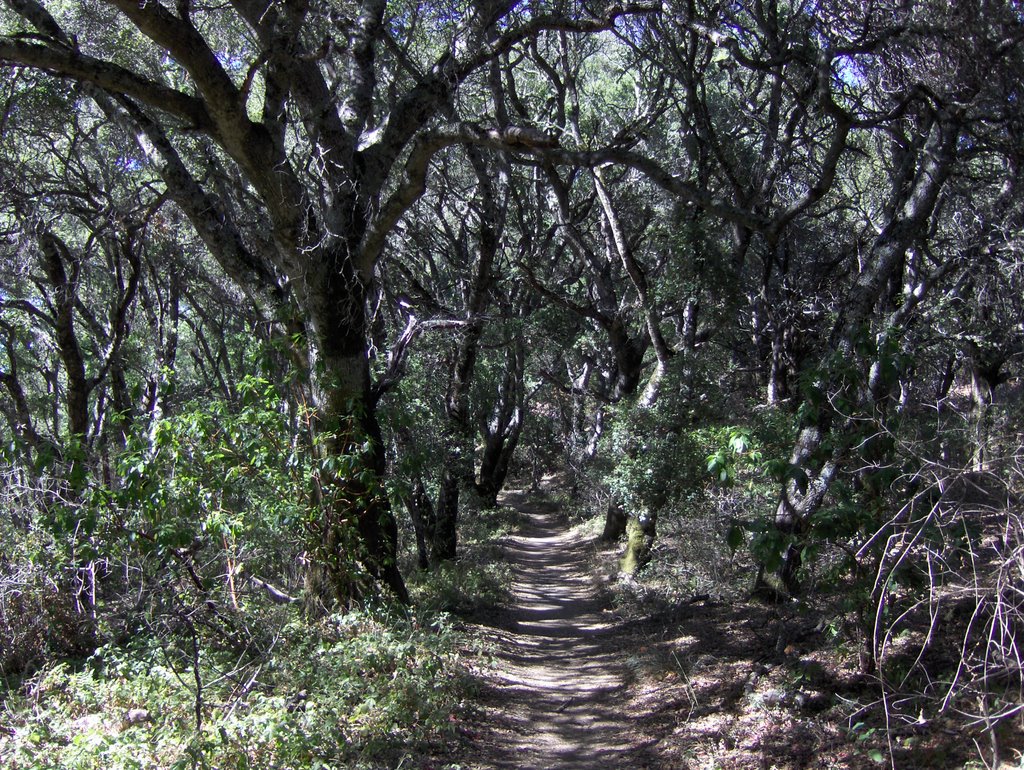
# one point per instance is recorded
(284, 279)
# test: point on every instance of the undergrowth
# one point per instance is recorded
(355, 690)
(480, 577)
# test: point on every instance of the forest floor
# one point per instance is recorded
(556, 691)
(571, 683)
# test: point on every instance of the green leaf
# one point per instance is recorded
(739, 442)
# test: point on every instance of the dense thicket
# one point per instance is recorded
(282, 280)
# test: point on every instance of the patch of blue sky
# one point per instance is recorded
(128, 163)
(848, 70)
(231, 62)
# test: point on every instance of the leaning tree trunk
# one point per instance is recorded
(417, 501)
(501, 433)
(445, 543)
(813, 468)
(421, 511)
(615, 520)
(55, 253)
(458, 465)
(985, 378)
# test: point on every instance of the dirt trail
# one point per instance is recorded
(557, 693)
(705, 682)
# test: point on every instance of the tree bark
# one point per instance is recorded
(985, 378)
(815, 469)
(458, 465)
(336, 306)
(503, 429)
(615, 521)
(421, 511)
(55, 254)
(446, 538)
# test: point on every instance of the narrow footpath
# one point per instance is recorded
(557, 693)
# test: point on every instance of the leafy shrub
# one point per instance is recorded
(225, 478)
(656, 460)
(480, 578)
(355, 690)
(43, 597)
(461, 586)
(711, 487)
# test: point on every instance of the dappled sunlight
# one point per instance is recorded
(559, 677)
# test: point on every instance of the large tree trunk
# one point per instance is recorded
(354, 493)
(421, 511)
(985, 378)
(458, 466)
(55, 254)
(446, 539)
(417, 501)
(357, 522)
(615, 521)
(642, 532)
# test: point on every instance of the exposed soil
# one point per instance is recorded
(557, 694)
(705, 684)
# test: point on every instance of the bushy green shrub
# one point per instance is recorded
(45, 596)
(226, 477)
(188, 664)
(710, 487)
(656, 459)
(362, 689)
(480, 578)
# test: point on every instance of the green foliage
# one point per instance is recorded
(637, 552)
(42, 597)
(657, 460)
(480, 578)
(768, 545)
(230, 480)
(461, 586)
(218, 476)
(356, 690)
(190, 665)
(204, 503)
(669, 465)
(722, 463)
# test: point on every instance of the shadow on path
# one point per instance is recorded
(557, 696)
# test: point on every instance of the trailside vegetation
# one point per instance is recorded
(292, 292)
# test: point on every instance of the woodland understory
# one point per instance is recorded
(303, 302)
